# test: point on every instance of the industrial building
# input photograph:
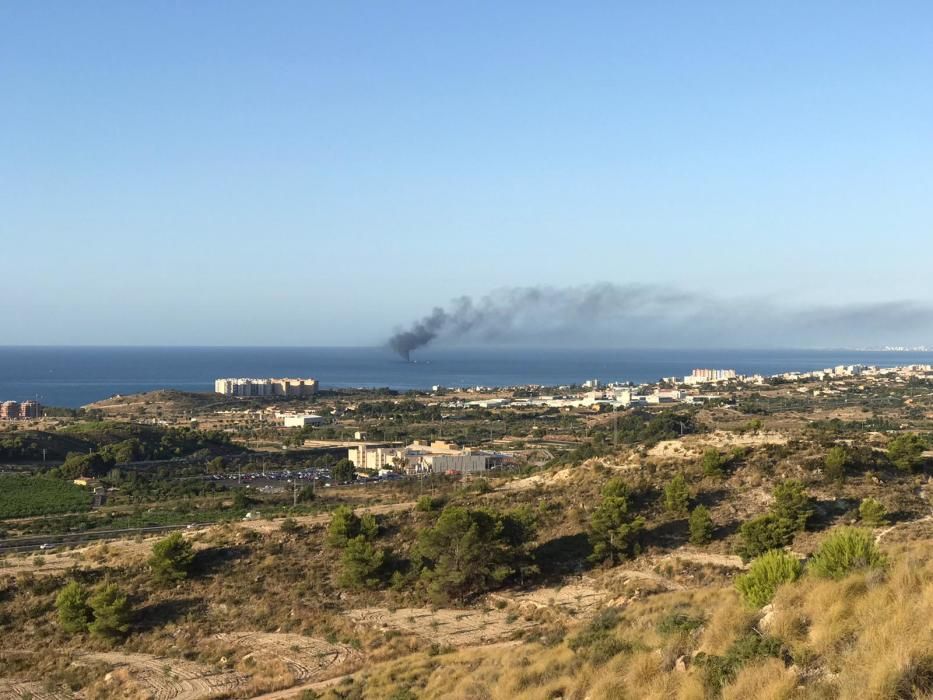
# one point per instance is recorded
(273, 387)
(419, 457)
(300, 420)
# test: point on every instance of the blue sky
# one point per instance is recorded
(321, 173)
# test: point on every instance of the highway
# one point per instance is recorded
(36, 542)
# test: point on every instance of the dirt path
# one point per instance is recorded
(16, 690)
(454, 627)
(727, 561)
(164, 678)
(577, 599)
(306, 658)
(888, 530)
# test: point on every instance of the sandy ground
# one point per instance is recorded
(693, 446)
(305, 658)
(447, 626)
(574, 600)
(295, 659)
(163, 678)
(15, 690)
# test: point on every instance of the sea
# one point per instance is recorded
(75, 376)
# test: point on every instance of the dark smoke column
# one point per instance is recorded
(419, 335)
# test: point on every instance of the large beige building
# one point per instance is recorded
(286, 388)
(13, 410)
(419, 457)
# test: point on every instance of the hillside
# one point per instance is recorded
(635, 562)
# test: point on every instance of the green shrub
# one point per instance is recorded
(720, 671)
(428, 504)
(289, 526)
(598, 643)
(362, 564)
(713, 463)
(872, 513)
(680, 622)
(112, 613)
(613, 530)
(906, 451)
(471, 551)
(792, 504)
(73, 611)
(677, 496)
(844, 551)
(767, 572)
(837, 462)
(171, 558)
(701, 526)
(346, 525)
(789, 513)
(762, 534)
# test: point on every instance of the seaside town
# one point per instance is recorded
(700, 386)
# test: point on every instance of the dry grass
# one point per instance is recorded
(867, 636)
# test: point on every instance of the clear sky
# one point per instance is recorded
(320, 173)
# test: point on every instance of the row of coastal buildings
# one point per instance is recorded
(285, 388)
(437, 457)
(16, 410)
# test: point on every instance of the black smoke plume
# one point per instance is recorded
(653, 316)
(519, 312)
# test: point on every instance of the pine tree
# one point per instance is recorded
(613, 530)
(677, 496)
(701, 526)
(361, 564)
(112, 612)
(713, 463)
(872, 513)
(171, 558)
(73, 611)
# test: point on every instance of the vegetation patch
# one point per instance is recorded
(23, 496)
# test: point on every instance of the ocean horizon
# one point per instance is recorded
(72, 376)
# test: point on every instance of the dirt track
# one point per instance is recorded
(163, 678)
(14, 690)
(448, 626)
(306, 658)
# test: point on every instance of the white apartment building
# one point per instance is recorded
(246, 387)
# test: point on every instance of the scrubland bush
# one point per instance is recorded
(345, 525)
(844, 551)
(701, 526)
(677, 496)
(760, 535)
(789, 513)
(171, 558)
(713, 463)
(720, 671)
(74, 614)
(767, 572)
(872, 513)
(111, 610)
